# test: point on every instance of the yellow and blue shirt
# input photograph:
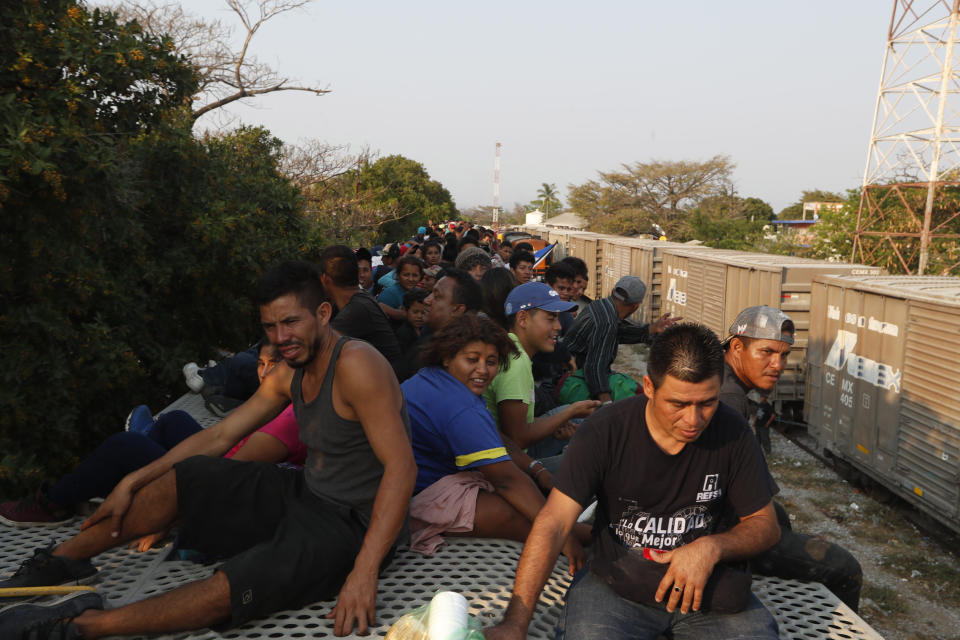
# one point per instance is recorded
(450, 427)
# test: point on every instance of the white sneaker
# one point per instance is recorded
(191, 373)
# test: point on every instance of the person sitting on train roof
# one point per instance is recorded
(755, 357)
(454, 294)
(467, 483)
(318, 533)
(602, 327)
(365, 268)
(501, 257)
(550, 366)
(432, 253)
(357, 313)
(580, 280)
(663, 466)
(388, 257)
(521, 264)
(409, 272)
(474, 261)
(531, 310)
(415, 307)
(145, 439)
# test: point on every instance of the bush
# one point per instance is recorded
(129, 246)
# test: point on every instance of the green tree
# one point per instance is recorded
(129, 246)
(795, 210)
(730, 222)
(898, 209)
(547, 200)
(630, 201)
(401, 184)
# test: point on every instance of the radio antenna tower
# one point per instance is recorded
(909, 206)
(496, 188)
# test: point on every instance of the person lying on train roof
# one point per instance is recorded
(755, 356)
(602, 327)
(145, 439)
(664, 467)
(319, 533)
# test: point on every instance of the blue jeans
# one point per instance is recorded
(235, 377)
(594, 611)
(550, 446)
(120, 454)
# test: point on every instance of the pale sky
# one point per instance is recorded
(786, 89)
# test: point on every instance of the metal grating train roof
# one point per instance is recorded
(482, 570)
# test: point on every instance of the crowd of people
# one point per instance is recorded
(435, 388)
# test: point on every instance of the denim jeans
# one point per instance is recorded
(594, 611)
(800, 556)
(550, 446)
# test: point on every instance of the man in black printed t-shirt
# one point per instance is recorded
(663, 467)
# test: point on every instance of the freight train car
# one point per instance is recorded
(882, 391)
(713, 287)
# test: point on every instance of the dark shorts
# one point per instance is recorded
(287, 547)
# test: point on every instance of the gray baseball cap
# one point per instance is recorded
(764, 323)
(629, 290)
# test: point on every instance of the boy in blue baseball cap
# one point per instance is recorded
(531, 311)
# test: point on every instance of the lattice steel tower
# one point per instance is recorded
(909, 210)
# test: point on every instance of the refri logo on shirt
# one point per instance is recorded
(711, 488)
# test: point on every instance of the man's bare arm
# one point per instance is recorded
(368, 386)
(549, 532)
(513, 420)
(692, 564)
(269, 400)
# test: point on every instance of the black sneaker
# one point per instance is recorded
(47, 621)
(45, 569)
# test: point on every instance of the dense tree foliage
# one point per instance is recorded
(129, 246)
(632, 200)
(899, 209)
(730, 222)
(372, 201)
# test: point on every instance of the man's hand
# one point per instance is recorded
(574, 553)
(690, 568)
(566, 431)
(356, 603)
(115, 507)
(664, 323)
(583, 408)
(604, 397)
(504, 631)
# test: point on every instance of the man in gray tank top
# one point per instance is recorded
(292, 537)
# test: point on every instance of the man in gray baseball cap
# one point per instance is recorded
(756, 355)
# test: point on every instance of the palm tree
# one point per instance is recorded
(549, 202)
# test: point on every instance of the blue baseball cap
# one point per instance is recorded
(535, 295)
(421, 230)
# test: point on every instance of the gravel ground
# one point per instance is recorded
(911, 579)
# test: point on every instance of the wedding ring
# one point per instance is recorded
(676, 588)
